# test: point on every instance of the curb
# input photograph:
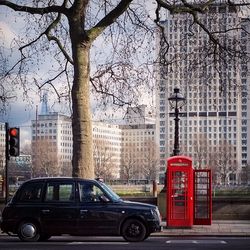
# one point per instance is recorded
(219, 228)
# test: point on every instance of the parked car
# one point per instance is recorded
(45, 207)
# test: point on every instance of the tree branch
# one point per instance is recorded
(110, 18)
(35, 10)
(55, 39)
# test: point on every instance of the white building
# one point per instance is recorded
(52, 137)
(215, 115)
(107, 149)
(52, 134)
(138, 115)
(139, 158)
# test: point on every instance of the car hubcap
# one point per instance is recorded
(134, 230)
(28, 230)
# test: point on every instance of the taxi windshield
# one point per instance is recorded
(110, 192)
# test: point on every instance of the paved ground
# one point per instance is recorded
(218, 228)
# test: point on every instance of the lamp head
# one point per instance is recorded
(177, 100)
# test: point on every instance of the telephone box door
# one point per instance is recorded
(202, 197)
(179, 192)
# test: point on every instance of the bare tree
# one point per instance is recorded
(57, 24)
(151, 160)
(223, 163)
(129, 162)
(52, 26)
(44, 159)
(201, 151)
(104, 160)
(197, 10)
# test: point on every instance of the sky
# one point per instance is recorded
(20, 112)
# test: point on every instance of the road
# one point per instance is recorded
(117, 243)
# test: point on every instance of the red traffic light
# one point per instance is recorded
(14, 141)
(13, 132)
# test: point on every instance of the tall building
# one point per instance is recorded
(214, 122)
(52, 145)
(245, 108)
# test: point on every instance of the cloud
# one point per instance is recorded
(6, 34)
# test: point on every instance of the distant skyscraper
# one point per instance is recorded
(215, 117)
(45, 105)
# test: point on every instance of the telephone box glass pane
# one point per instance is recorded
(202, 204)
(179, 194)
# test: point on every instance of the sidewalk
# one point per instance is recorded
(218, 228)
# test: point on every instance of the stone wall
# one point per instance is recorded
(223, 208)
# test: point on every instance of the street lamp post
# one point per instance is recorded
(176, 100)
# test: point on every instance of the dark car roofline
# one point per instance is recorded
(60, 178)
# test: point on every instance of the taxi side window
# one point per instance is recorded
(31, 192)
(60, 192)
(89, 192)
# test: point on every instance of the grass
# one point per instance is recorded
(134, 194)
(239, 193)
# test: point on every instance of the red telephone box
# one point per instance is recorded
(179, 192)
(189, 193)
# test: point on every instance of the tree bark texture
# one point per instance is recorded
(82, 161)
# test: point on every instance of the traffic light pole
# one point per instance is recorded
(7, 158)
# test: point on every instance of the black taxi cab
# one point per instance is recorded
(46, 207)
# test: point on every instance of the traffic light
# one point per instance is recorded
(14, 141)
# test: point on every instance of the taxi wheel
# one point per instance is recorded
(28, 231)
(134, 230)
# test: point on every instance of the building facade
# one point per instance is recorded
(139, 154)
(51, 145)
(107, 150)
(139, 157)
(214, 123)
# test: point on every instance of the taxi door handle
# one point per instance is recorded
(45, 211)
(83, 211)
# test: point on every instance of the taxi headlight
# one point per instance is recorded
(155, 212)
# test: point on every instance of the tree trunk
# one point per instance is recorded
(82, 162)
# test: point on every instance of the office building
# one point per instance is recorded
(139, 158)
(107, 150)
(214, 122)
(140, 155)
(52, 145)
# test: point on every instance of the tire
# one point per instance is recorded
(134, 230)
(28, 231)
(146, 236)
